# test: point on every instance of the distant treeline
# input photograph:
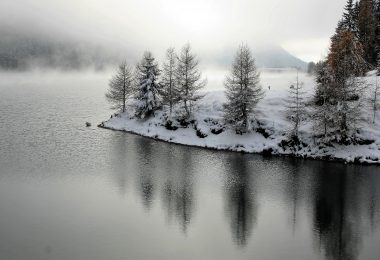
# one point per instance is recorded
(23, 52)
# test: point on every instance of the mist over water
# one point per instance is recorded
(70, 34)
(71, 192)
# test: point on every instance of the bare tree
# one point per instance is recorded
(188, 78)
(296, 106)
(243, 90)
(120, 87)
(169, 89)
(375, 99)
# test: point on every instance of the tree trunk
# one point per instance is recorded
(124, 90)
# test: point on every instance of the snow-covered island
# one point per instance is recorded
(270, 134)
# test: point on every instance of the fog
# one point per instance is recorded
(109, 30)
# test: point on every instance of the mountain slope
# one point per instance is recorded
(277, 57)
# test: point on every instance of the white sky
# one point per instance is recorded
(302, 27)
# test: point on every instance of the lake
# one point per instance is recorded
(73, 192)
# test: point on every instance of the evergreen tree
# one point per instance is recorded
(188, 78)
(356, 12)
(147, 89)
(169, 89)
(243, 90)
(296, 107)
(349, 19)
(323, 107)
(367, 30)
(378, 33)
(120, 87)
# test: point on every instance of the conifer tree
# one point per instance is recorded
(120, 87)
(323, 105)
(367, 30)
(147, 88)
(356, 16)
(349, 20)
(296, 106)
(346, 56)
(345, 62)
(243, 90)
(338, 31)
(169, 89)
(189, 79)
(378, 32)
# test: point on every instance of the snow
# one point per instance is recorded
(270, 113)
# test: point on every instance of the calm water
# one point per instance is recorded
(71, 192)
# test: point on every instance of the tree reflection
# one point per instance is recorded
(342, 201)
(240, 204)
(338, 214)
(178, 198)
(293, 189)
(146, 169)
(120, 161)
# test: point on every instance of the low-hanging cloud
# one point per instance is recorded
(213, 27)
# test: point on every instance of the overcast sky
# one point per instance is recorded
(303, 27)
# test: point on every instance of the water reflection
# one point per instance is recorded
(341, 207)
(178, 198)
(170, 174)
(120, 161)
(341, 202)
(146, 170)
(241, 207)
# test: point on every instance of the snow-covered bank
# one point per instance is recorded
(270, 137)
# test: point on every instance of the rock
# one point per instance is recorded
(262, 131)
(200, 134)
(169, 125)
(267, 152)
(217, 131)
(183, 123)
(88, 124)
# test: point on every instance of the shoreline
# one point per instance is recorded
(267, 153)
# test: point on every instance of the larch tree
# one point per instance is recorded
(189, 79)
(346, 56)
(367, 30)
(120, 87)
(243, 90)
(147, 86)
(296, 107)
(346, 62)
(169, 90)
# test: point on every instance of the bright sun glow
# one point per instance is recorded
(193, 16)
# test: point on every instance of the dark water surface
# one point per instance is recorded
(71, 192)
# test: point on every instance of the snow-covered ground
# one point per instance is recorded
(271, 131)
